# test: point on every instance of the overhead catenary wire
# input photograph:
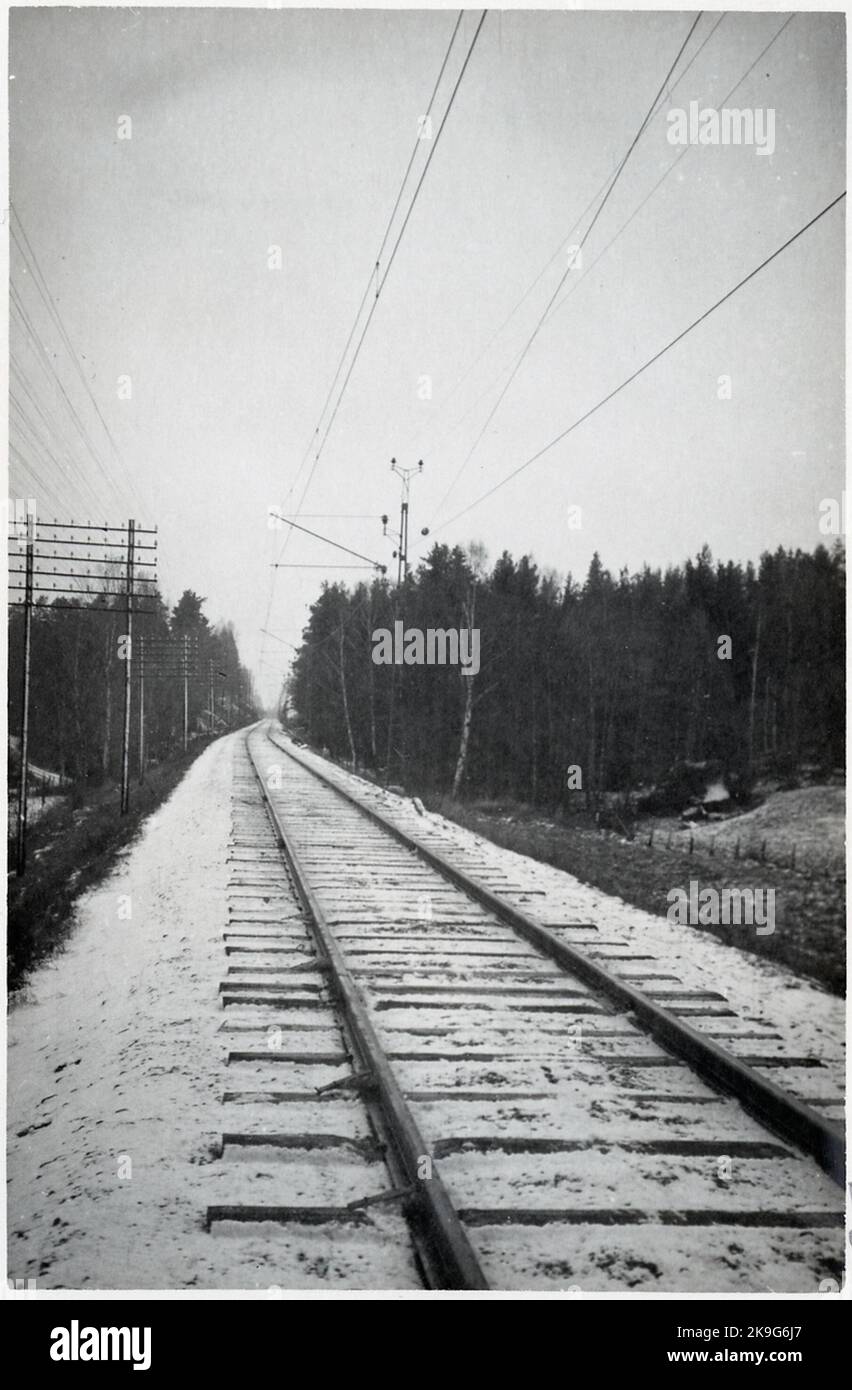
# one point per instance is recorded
(645, 365)
(671, 168)
(575, 252)
(371, 280)
(380, 284)
(374, 564)
(294, 565)
(565, 241)
(360, 607)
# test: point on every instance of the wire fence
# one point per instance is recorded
(781, 851)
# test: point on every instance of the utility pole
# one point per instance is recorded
(141, 710)
(128, 659)
(21, 853)
(77, 545)
(185, 692)
(401, 556)
(162, 658)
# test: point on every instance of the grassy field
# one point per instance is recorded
(70, 850)
(809, 934)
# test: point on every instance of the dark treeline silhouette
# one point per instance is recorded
(622, 677)
(77, 684)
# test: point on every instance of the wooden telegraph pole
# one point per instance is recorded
(141, 709)
(163, 658)
(77, 586)
(128, 660)
(185, 692)
(21, 847)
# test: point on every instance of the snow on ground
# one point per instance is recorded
(807, 821)
(810, 1020)
(113, 1062)
(37, 806)
(116, 1054)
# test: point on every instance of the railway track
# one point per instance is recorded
(432, 1088)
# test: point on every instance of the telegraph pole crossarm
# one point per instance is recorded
(21, 848)
(73, 586)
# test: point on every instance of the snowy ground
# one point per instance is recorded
(116, 1050)
(37, 806)
(808, 821)
(113, 1064)
(810, 1020)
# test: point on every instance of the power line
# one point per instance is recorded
(566, 240)
(44, 487)
(372, 276)
(576, 251)
(435, 143)
(51, 371)
(81, 478)
(685, 151)
(367, 288)
(645, 365)
(623, 228)
(52, 308)
(24, 385)
(36, 442)
(380, 286)
(353, 613)
(35, 445)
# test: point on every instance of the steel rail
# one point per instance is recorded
(775, 1108)
(446, 1255)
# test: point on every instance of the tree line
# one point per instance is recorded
(77, 683)
(619, 678)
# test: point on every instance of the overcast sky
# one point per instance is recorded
(292, 129)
